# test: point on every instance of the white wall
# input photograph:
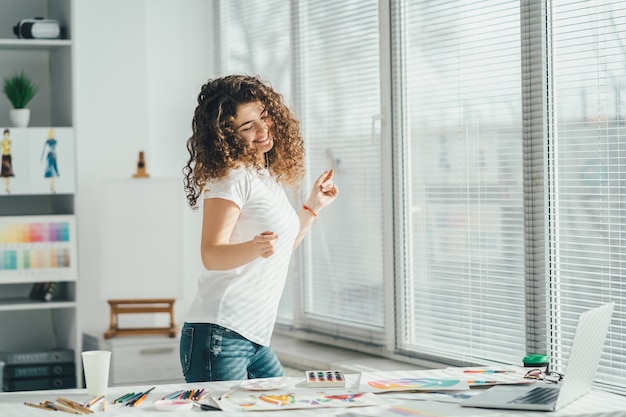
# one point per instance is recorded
(138, 67)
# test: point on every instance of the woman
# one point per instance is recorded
(245, 146)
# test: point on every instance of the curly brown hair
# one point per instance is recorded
(214, 146)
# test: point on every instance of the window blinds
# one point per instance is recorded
(588, 195)
(338, 76)
(324, 57)
(458, 75)
(508, 157)
(255, 38)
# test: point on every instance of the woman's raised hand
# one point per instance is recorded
(324, 191)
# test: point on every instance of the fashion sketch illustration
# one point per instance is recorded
(7, 166)
(49, 155)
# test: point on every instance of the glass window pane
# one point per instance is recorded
(339, 81)
(255, 38)
(589, 195)
(458, 68)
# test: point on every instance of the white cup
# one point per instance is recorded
(96, 367)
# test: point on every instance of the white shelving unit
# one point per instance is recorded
(47, 61)
(26, 44)
(38, 325)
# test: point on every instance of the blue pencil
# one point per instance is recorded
(123, 397)
(173, 395)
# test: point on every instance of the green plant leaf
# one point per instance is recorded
(19, 89)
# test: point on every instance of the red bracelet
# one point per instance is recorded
(309, 210)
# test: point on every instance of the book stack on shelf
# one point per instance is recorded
(44, 370)
(43, 291)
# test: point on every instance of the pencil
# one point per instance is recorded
(123, 397)
(95, 401)
(40, 406)
(62, 407)
(226, 394)
(197, 394)
(133, 397)
(172, 395)
(75, 405)
(140, 398)
(206, 394)
(104, 405)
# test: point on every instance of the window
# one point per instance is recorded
(479, 149)
(338, 79)
(247, 47)
(255, 39)
(588, 194)
(336, 95)
(459, 111)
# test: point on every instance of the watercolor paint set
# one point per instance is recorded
(328, 379)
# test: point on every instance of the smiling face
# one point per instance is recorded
(254, 126)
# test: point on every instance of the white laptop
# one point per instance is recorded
(581, 369)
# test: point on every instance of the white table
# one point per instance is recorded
(596, 403)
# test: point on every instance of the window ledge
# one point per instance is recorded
(305, 355)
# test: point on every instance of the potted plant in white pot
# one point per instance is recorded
(20, 90)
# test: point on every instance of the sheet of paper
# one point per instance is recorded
(379, 382)
(481, 376)
(277, 400)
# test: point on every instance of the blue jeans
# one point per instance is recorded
(209, 352)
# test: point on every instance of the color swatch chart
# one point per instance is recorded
(11, 259)
(34, 244)
(34, 232)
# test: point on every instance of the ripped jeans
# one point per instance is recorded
(209, 352)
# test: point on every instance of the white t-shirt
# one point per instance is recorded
(245, 299)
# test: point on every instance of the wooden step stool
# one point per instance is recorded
(140, 307)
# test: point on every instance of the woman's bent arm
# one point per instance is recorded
(218, 221)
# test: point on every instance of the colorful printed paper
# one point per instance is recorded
(274, 401)
(37, 248)
(409, 381)
(456, 379)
